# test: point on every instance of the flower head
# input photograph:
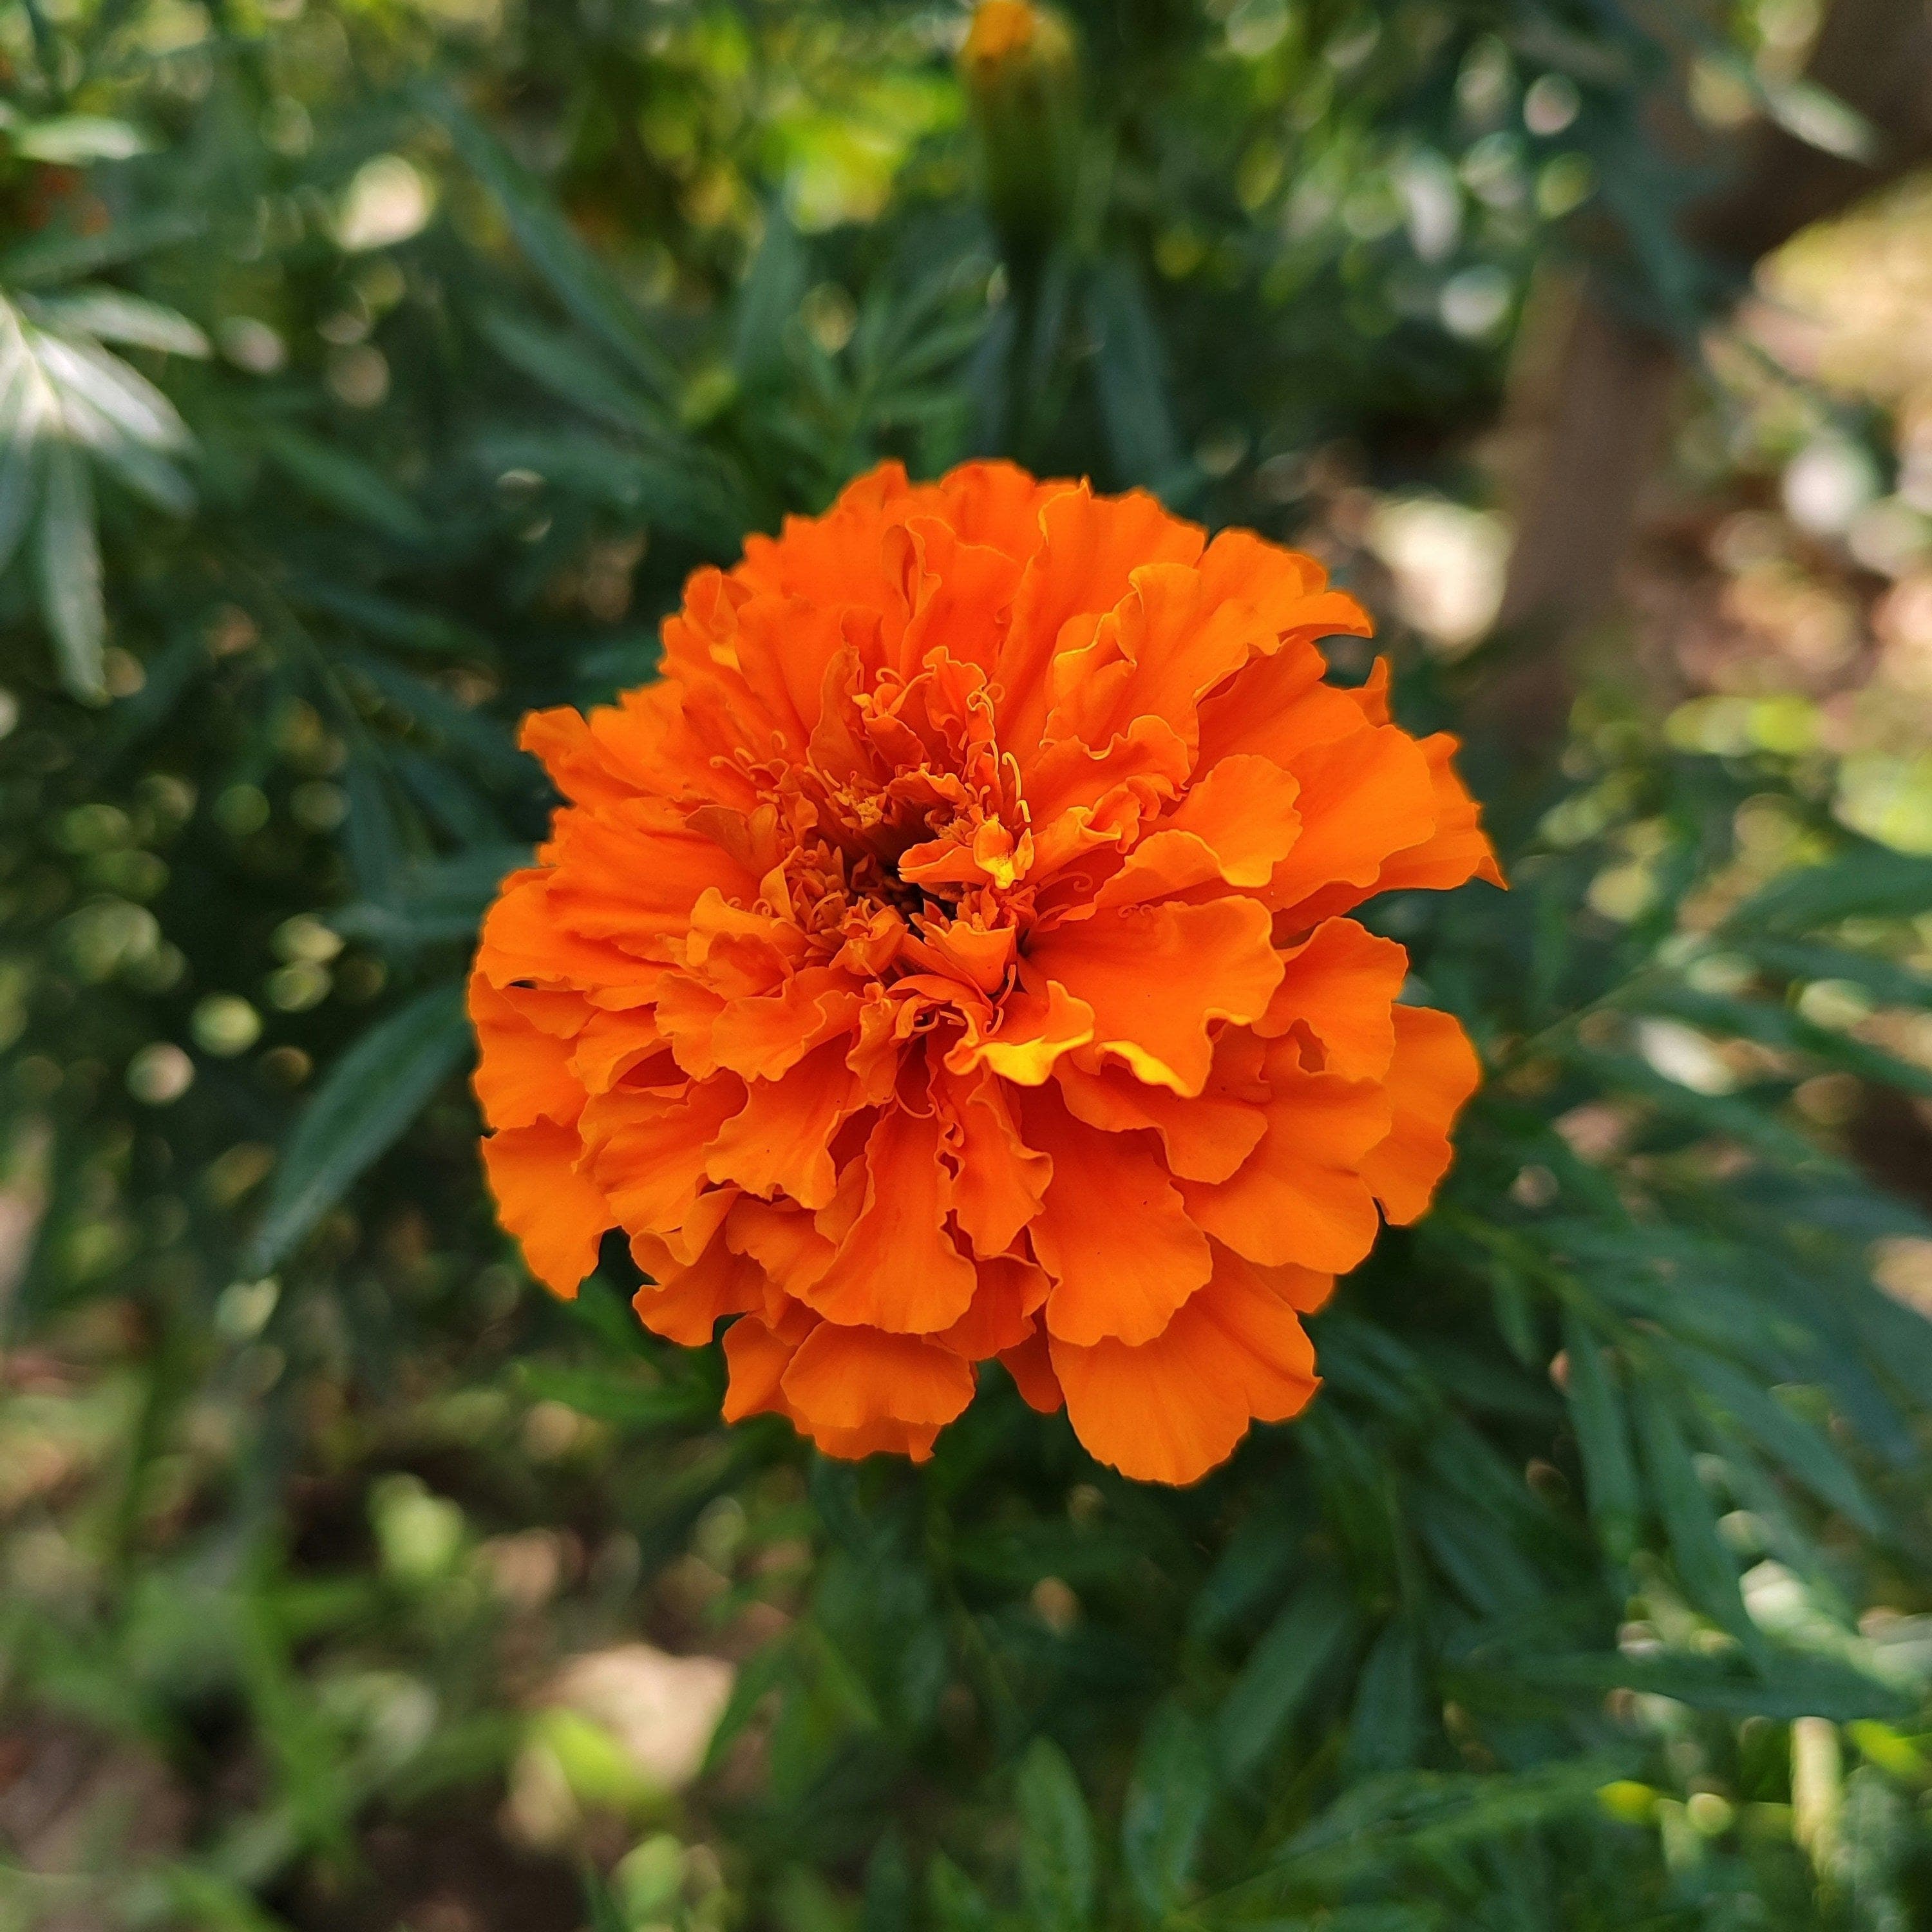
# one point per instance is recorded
(948, 958)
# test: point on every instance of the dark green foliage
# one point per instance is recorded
(1617, 1483)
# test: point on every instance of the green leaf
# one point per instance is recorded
(1416, 1815)
(149, 476)
(1597, 1414)
(1779, 1027)
(475, 734)
(71, 598)
(889, 1883)
(57, 253)
(404, 624)
(625, 1401)
(955, 1902)
(20, 472)
(1386, 1726)
(1056, 1842)
(361, 1108)
(579, 281)
(344, 483)
(607, 1913)
(568, 370)
(1166, 1807)
(372, 835)
(433, 902)
(1284, 1665)
(1866, 880)
(1785, 1436)
(1788, 1685)
(115, 316)
(72, 140)
(1130, 377)
(120, 395)
(767, 300)
(1797, 959)
(1706, 1569)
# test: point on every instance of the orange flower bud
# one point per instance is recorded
(1021, 76)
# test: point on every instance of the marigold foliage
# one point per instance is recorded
(950, 960)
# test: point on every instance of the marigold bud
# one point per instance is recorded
(1021, 74)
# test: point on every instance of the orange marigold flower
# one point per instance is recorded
(948, 959)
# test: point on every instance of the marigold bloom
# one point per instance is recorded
(948, 959)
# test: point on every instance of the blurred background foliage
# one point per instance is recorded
(371, 370)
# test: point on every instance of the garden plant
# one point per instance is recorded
(460, 1489)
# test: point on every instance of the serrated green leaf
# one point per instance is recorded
(475, 733)
(405, 624)
(1788, 1686)
(569, 370)
(362, 1106)
(1781, 1027)
(1890, 983)
(80, 369)
(767, 301)
(433, 902)
(955, 1902)
(372, 835)
(58, 254)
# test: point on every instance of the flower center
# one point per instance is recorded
(911, 841)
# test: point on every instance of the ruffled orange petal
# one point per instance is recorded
(1157, 977)
(1169, 1410)
(847, 1380)
(1091, 546)
(1009, 1294)
(998, 1181)
(1205, 1139)
(1363, 797)
(1041, 1022)
(897, 1267)
(523, 1073)
(573, 758)
(525, 942)
(1299, 1197)
(557, 1214)
(1113, 1234)
(1276, 708)
(645, 1147)
(1030, 1364)
(780, 1142)
(757, 1353)
(632, 873)
(1433, 1073)
(684, 1304)
(1340, 984)
(1458, 850)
